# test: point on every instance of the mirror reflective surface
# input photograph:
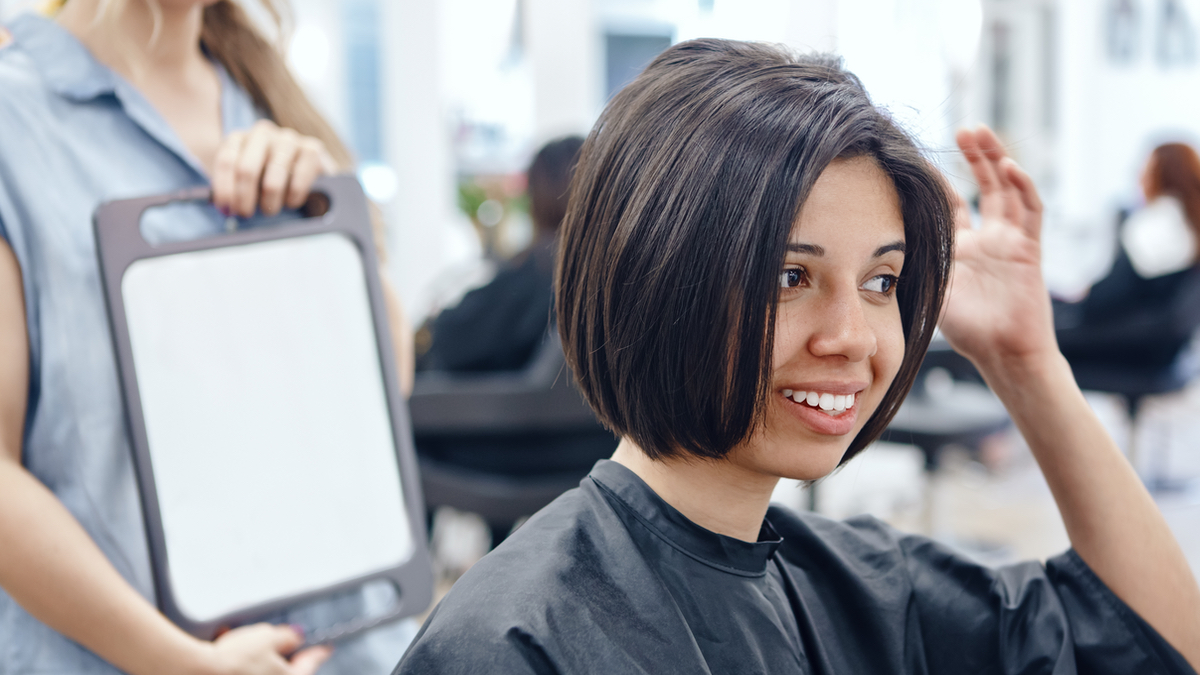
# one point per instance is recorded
(267, 420)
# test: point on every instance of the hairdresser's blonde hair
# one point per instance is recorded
(258, 66)
(231, 38)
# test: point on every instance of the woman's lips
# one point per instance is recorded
(828, 422)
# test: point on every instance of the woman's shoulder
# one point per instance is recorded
(865, 547)
(18, 73)
(864, 533)
(25, 92)
(572, 544)
(571, 571)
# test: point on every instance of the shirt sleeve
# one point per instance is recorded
(1056, 618)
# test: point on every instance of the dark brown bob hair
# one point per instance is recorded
(680, 211)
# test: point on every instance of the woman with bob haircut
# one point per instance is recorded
(754, 259)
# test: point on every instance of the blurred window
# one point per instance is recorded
(361, 21)
(627, 55)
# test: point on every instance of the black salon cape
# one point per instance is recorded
(610, 579)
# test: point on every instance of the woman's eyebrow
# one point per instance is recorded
(888, 248)
(810, 249)
(815, 250)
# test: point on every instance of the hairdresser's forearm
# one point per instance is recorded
(1112, 522)
(51, 567)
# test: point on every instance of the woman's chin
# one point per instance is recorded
(791, 458)
(810, 470)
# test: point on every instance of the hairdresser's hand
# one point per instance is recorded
(266, 167)
(998, 311)
(261, 649)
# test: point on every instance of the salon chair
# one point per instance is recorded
(503, 445)
(1173, 330)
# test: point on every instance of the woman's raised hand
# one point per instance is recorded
(998, 308)
(261, 649)
(266, 167)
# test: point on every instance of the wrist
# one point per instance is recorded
(202, 658)
(1025, 373)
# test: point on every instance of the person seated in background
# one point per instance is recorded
(1129, 317)
(500, 326)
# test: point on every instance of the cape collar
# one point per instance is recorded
(628, 492)
(70, 70)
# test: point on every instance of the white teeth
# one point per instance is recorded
(827, 402)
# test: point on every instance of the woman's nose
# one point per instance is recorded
(841, 329)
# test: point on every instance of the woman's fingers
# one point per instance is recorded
(307, 661)
(266, 168)
(224, 166)
(1009, 200)
(308, 165)
(247, 175)
(258, 649)
(286, 639)
(1005, 191)
(984, 170)
(276, 177)
(962, 210)
(1031, 202)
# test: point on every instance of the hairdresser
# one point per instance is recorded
(101, 100)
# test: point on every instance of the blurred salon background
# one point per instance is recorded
(445, 103)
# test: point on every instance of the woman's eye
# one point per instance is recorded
(884, 283)
(791, 277)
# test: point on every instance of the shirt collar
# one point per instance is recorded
(68, 68)
(628, 492)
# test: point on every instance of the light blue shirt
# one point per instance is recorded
(73, 134)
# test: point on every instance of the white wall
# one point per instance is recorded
(562, 45)
(417, 146)
(812, 25)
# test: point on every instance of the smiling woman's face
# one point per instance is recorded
(838, 336)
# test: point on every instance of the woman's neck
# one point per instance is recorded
(715, 494)
(125, 39)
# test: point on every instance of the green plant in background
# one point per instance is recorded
(490, 202)
(470, 195)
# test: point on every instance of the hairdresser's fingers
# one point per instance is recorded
(1031, 202)
(1012, 208)
(991, 190)
(310, 163)
(307, 661)
(223, 168)
(247, 175)
(281, 157)
(258, 649)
